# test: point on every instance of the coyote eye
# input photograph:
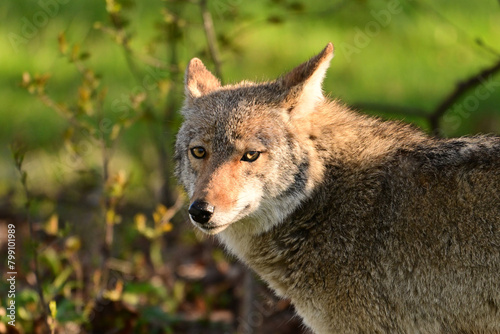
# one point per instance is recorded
(198, 152)
(250, 156)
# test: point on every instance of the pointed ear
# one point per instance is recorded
(198, 80)
(304, 83)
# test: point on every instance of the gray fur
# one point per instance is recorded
(367, 226)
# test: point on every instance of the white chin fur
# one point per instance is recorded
(237, 237)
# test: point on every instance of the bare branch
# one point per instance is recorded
(18, 157)
(208, 26)
(434, 116)
(460, 89)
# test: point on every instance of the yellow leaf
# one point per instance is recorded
(121, 176)
(84, 93)
(63, 46)
(53, 308)
(161, 210)
(157, 217)
(112, 7)
(26, 79)
(110, 217)
(74, 52)
(140, 222)
(116, 293)
(73, 244)
(115, 131)
(52, 225)
(164, 86)
(167, 227)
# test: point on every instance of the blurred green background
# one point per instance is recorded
(90, 92)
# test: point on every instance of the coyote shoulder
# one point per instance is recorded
(368, 226)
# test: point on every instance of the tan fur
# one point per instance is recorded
(367, 226)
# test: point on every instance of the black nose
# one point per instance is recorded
(201, 211)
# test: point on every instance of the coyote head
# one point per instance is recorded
(245, 153)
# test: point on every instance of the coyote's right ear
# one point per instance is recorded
(198, 80)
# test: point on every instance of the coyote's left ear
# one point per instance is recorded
(198, 80)
(303, 83)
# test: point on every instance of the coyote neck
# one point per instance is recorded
(335, 145)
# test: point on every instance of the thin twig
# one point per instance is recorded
(58, 109)
(434, 116)
(423, 5)
(18, 157)
(179, 202)
(172, 33)
(208, 26)
(460, 89)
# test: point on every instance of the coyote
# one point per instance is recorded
(368, 226)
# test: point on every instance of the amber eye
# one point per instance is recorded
(250, 156)
(198, 152)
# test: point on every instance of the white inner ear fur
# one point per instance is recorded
(198, 80)
(192, 91)
(312, 91)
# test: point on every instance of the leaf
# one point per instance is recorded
(26, 79)
(84, 56)
(179, 290)
(24, 177)
(140, 222)
(121, 178)
(155, 314)
(115, 131)
(61, 278)
(113, 7)
(139, 288)
(84, 94)
(51, 226)
(274, 19)
(52, 260)
(110, 216)
(73, 244)
(18, 155)
(155, 253)
(53, 309)
(63, 45)
(116, 293)
(161, 210)
(167, 227)
(297, 6)
(157, 217)
(74, 53)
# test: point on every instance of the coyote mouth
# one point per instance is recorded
(220, 223)
(214, 229)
